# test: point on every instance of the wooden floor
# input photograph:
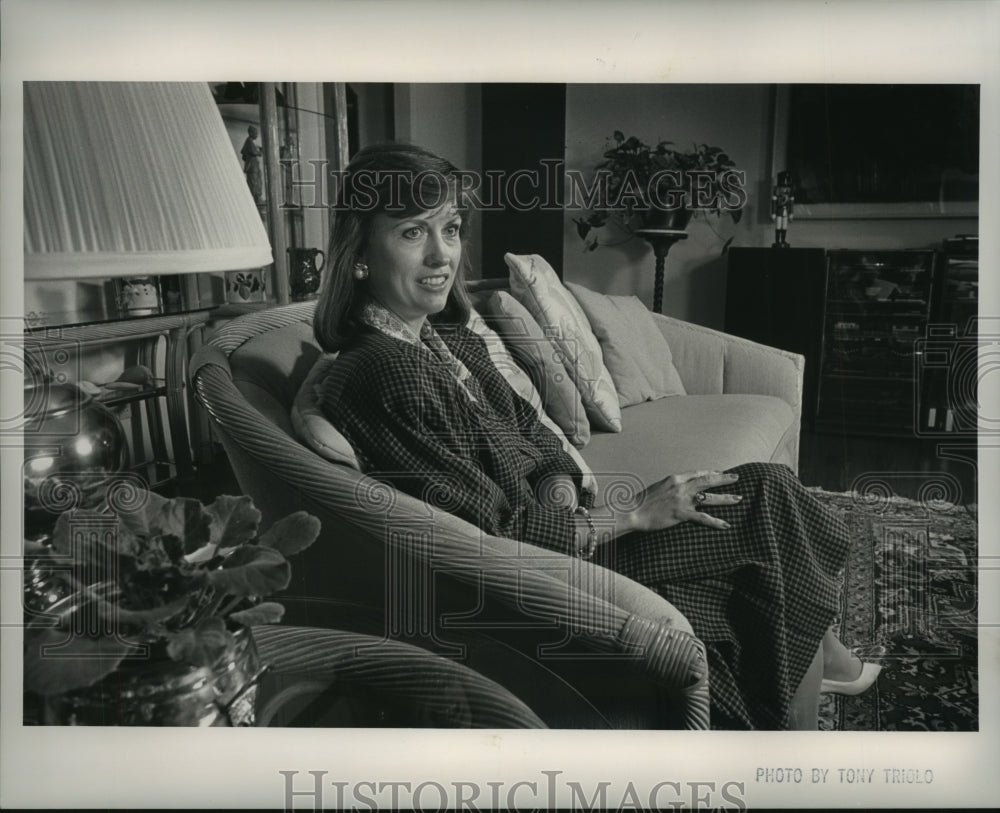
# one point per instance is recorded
(908, 467)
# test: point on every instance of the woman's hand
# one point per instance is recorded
(679, 498)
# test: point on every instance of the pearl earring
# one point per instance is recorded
(360, 271)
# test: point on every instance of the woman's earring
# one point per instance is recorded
(360, 271)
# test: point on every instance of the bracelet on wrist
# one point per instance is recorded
(586, 551)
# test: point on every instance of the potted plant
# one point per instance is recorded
(143, 616)
(641, 187)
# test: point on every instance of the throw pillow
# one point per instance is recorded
(634, 350)
(521, 383)
(504, 362)
(535, 285)
(312, 427)
(540, 363)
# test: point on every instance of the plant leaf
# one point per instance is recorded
(234, 521)
(184, 525)
(89, 548)
(619, 136)
(291, 534)
(252, 571)
(267, 612)
(144, 618)
(74, 661)
(138, 523)
(203, 645)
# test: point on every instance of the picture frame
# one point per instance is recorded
(842, 177)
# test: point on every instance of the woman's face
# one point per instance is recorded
(412, 262)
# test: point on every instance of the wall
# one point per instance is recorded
(737, 118)
(446, 119)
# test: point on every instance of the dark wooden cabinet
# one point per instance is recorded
(889, 336)
(878, 306)
(948, 364)
(775, 296)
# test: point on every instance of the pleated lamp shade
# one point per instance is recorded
(127, 178)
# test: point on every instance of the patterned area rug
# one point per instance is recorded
(910, 604)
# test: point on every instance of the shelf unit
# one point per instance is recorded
(877, 307)
(57, 350)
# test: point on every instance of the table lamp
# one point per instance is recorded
(126, 180)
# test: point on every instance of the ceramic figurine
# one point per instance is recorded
(138, 296)
(251, 165)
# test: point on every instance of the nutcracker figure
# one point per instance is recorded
(782, 208)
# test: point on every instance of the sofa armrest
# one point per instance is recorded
(444, 693)
(712, 362)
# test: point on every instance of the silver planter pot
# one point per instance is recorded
(157, 691)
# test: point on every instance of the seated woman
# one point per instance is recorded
(747, 555)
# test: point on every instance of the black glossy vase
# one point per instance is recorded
(305, 266)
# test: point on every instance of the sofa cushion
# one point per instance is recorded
(674, 435)
(311, 425)
(634, 350)
(268, 369)
(276, 361)
(521, 383)
(535, 284)
(540, 359)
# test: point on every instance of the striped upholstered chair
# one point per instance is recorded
(581, 646)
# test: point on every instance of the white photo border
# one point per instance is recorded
(393, 40)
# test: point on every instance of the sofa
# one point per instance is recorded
(582, 646)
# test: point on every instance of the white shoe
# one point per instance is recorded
(862, 683)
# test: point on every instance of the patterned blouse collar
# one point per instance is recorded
(378, 316)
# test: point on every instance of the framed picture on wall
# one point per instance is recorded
(879, 150)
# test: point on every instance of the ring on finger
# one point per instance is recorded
(700, 497)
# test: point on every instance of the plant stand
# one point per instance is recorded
(661, 240)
